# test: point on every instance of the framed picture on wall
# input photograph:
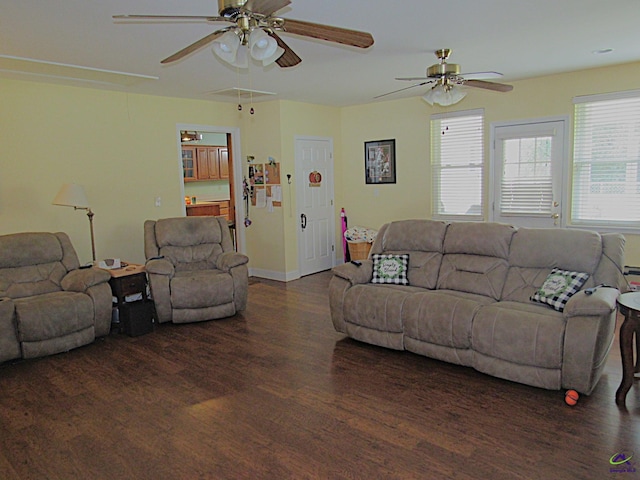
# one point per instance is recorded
(380, 161)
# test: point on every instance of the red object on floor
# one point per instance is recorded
(571, 397)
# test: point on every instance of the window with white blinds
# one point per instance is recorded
(606, 161)
(527, 185)
(457, 161)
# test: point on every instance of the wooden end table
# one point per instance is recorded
(629, 305)
(135, 317)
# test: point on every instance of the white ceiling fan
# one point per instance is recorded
(446, 79)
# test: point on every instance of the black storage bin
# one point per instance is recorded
(136, 318)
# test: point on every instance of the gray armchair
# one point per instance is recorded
(194, 272)
(47, 303)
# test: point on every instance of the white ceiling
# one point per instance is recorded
(520, 38)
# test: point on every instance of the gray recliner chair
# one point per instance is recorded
(194, 272)
(47, 303)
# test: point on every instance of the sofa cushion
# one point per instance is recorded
(373, 313)
(569, 249)
(524, 334)
(390, 268)
(200, 289)
(473, 274)
(422, 240)
(191, 243)
(487, 239)
(31, 280)
(475, 258)
(31, 248)
(53, 315)
(559, 287)
(536, 251)
(413, 235)
(442, 317)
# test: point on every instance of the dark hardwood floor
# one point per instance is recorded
(276, 393)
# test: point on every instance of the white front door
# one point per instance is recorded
(316, 216)
(528, 174)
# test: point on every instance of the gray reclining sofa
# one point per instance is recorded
(469, 299)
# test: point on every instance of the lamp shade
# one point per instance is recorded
(71, 195)
(276, 55)
(261, 45)
(444, 95)
(226, 46)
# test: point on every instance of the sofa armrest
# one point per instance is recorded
(602, 301)
(228, 260)
(354, 274)
(589, 333)
(82, 279)
(159, 266)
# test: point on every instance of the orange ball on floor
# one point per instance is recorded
(571, 397)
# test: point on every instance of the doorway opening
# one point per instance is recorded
(210, 175)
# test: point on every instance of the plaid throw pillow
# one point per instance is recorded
(390, 269)
(559, 287)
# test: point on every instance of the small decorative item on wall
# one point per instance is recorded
(380, 161)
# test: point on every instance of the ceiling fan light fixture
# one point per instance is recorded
(226, 46)
(444, 95)
(276, 55)
(186, 136)
(261, 45)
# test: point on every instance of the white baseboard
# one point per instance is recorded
(273, 275)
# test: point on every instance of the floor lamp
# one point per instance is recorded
(72, 195)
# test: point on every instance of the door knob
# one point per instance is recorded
(303, 221)
(555, 216)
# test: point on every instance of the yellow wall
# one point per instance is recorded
(123, 149)
(407, 121)
(265, 236)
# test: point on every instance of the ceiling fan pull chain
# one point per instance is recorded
(251, 110)
(238, 81)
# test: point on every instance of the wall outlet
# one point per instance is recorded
(158, 201)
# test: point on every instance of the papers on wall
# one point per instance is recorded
(261, 198)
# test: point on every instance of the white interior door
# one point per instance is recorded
(528, 176)
(314, 193)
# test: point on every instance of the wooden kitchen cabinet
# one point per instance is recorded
(205, 163)
(212, 163)
(189, 164)
(223, 163)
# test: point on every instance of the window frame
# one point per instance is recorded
(626, 226)
(436, 167)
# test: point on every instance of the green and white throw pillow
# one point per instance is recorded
(559, 287)
(390, 269)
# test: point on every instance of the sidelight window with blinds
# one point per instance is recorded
(606, 161)
(457, 162)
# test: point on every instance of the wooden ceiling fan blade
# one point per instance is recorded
(405, 88)
(412, 79)
(194, 46)
(480, 75)
(289, 57)
(264, 7)
(331, 34)
(207, 18)
(496, 87)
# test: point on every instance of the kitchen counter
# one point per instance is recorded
(209, 208)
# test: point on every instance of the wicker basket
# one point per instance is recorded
(359, 250)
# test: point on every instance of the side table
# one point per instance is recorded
(629, 305)
(136, 318)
